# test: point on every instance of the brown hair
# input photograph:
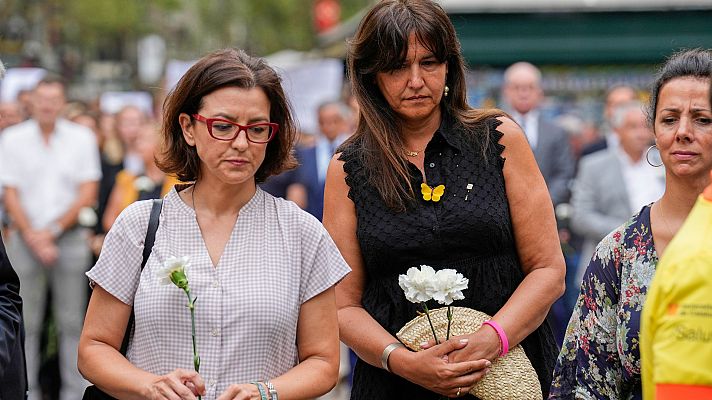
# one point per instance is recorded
(694, 63)
(380, 45)
(225, 68)
(53, 79)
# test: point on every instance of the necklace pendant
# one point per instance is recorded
(409, 153)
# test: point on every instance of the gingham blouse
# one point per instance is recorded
(247, 308)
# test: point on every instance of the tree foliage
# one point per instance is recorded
(109, 29)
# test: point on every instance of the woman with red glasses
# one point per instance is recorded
(262, 269)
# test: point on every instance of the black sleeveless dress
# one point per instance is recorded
(470, 231)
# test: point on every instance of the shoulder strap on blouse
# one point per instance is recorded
(152, 228)
(153, 220)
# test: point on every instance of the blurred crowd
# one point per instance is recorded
(98, 163)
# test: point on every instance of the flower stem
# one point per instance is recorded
(191, 306)
(449, 321)
(427, 314)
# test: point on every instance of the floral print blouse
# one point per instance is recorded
(600, 356)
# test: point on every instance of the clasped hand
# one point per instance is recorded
(179, 384)
(483, 344)
(437, 369)
(41, 243)
(183, 384)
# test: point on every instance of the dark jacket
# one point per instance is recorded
(308, 176)
(13, 375)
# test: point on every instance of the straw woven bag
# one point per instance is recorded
(511, 377)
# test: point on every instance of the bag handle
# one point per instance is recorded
(153, 221)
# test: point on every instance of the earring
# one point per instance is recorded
(647, 154)
(447, 90)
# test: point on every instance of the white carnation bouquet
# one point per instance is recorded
(425, 284)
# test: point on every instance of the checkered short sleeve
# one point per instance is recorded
(119, 265)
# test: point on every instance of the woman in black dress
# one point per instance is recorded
(494, 222)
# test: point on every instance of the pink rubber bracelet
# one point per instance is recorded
(502, 336)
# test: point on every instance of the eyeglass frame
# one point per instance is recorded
(209, 123)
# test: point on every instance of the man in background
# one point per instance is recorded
(50, 170)
(308, 190)
(523, 94)
(616, 96)
(615, 183)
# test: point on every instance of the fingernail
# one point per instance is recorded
(488, 363)
(464, 341)
(423, 344)
(487, 371)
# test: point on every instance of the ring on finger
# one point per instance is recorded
(458, 392)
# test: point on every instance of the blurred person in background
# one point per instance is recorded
(25, 98)
(614, 183)
(580, 131)
(493, 221)
(523, 94)
(348, 98)
(118, 152)
(308, 190)
(10, 114)
(112, 161)
(151, 184)
(13, 374)
(129, 121)
(50, 171)
(91, 121)
(600, 356)
(614, 97)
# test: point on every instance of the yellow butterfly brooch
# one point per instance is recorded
(430, 193)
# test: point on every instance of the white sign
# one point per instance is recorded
(310, 84)
(175, 69)
(18, 79)
(113, 102)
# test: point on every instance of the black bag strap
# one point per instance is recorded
(153, 221)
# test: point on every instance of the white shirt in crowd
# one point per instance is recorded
(47, 175)
(530, 124)
(324, 151)
(643, 182)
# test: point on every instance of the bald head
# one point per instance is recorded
(522, 87)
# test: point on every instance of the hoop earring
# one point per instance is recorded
(447, 90)
(647, 158)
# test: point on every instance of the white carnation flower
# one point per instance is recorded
(448, 285)
(418, 284)
(171, 266)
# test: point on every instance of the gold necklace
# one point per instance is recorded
(410, 153)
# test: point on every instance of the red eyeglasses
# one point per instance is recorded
(222, 129)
